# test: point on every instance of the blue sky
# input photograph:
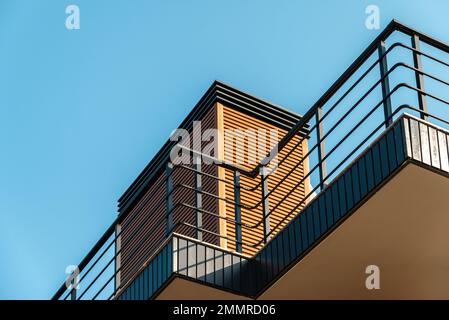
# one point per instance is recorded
(83, 111)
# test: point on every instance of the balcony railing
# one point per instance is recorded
(357, 108)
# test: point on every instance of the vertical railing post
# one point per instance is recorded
(422, 102)
(198, 199)
(237, 212)
(118, 257)
(169, 190)
(385, 83)
(74, 284)
(265, 206)
(73, 292)
(321, 148)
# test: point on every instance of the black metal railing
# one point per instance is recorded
(342, 123)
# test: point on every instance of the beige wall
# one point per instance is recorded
(403, 229)
(235, 120)
(182, 289)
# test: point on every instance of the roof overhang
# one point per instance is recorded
(218, 92)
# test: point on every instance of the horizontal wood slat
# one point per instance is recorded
(236, 123)
(224, 118)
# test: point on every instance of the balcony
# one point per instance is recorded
(217, 227)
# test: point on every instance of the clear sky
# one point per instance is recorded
(83, 111)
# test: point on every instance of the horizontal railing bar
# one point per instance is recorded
(228, 201)
(133, 252)
(119, 269)
(336, 168)
(337, 145)
(334, 88)
(352, 130)
(398, 26)
(212, 176)
(91, 254)
(216, 161)
(213, 214)
(343, 161)
(426, 93)
(393, 26)
(405, 106)
(247, 244)
(146, 219)
(177, 225)
(169, 238)
(279, 223)
(135, 232)
(327, 134)
(158, 249)
(248, 226)
(161, 222)
(339, 100)
(427, 114)
(421, 52)
(350, 110)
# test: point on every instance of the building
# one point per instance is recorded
(356, 186)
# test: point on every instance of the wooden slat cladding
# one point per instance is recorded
(146, 220)
(209, 186)
(148, 217)
(234, 120)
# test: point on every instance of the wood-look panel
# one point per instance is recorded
(209, 186)
(152, 206)
(221, 172)
(234, 120)
(148, 218)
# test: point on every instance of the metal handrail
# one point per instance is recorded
(285, 140)
(394, 25)
(397, 110)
